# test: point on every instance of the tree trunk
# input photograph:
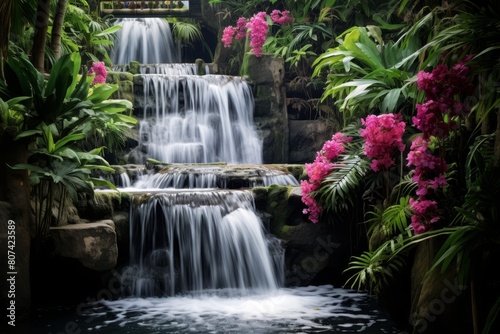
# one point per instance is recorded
(40, 35)
(57, 27)
(15, 228)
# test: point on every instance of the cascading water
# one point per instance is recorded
(198, 119)
(148, 41)
(200, 241)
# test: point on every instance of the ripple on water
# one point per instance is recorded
(314, 309)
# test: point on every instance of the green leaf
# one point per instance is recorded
(102, 92)
(109, 31)
(70, 138)
(391, 100)
(28, 133)
(103, 183)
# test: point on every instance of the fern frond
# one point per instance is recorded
(339, 187)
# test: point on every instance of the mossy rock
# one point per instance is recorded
(274, 200)
(298, 171)
(134, 67)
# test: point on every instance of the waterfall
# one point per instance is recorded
(198, 119)
(222, 177)
(199, 241)
(186, 117)
(192, 240)
(167, 69)
(147, 40)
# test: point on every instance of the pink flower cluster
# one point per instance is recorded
(99, 71)
(426, 213)
(382, 134)
(256, 28)
(318, 170)
(435, 118)
(429, 176)
(281, 17)
(258, 31)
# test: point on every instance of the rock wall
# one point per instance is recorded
(314, 253)
(266, 74)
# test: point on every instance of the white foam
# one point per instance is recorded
(297, 310)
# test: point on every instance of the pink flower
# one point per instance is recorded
(382, 135)
(426, 213)
(318, 170)
(227, 36)
(99, 71)
(334, 147)
(258, 31)
(281, 17)
(241, 26)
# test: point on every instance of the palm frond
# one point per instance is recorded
(187, 32)
(375, 270)
(395, 217)
(492, 316)
(339, 187)
(480, 154)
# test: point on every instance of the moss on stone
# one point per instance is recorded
(125, 76)
(298, 171)
(119, 169)
(113, 77)
(134, 67)
(200, 64)
(274, 200)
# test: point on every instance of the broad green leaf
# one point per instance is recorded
(69, 138)
(102, 92)
(108, 31)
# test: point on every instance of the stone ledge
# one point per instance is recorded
(93, 244)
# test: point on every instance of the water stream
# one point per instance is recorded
(197, 119)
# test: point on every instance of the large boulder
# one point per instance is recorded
(314, 253)
(266, 74)
(93, 244)
(306, 138)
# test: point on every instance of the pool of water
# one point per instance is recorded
(314, 309)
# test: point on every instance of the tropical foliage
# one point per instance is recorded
(56, 116)
(441, 181)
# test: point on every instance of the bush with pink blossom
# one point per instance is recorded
(255, 28)
(318, 170)
(436, 118)
(383, 134)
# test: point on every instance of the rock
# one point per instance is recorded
(93, 244)
(266, 69)
(306, 138)
(314, 253)
(121, 220)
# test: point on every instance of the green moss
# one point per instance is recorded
(200, 64)
(274, 200)
(134, 67)
(125, 76)
(119, 169)
(113, 77)
(107, 201)
(298, 171)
